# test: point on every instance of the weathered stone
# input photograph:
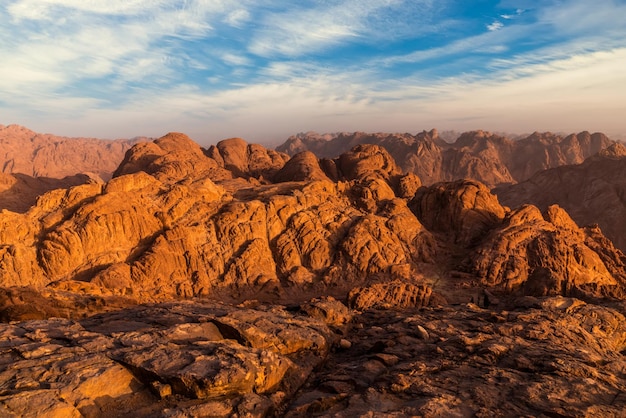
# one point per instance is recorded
(187, 354)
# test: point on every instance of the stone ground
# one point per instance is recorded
(546, 357)
(553, 357)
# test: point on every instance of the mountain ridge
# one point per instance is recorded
(46, 155)
(490, 158)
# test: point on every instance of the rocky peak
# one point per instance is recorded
(303, 166)
(247, 160)
(444, 288)
(178, 142)
(45, 155)
(367, 160)
(463, 210)
(615, 151)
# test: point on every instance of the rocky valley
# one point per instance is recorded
(338, 275)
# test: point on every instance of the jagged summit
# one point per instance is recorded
(490, 158)
(239, 219)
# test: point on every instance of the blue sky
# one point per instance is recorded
(265, 69)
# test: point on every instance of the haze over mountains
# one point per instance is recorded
(255, 282)
(34, 163)
(489, 158)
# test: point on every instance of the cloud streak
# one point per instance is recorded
(266, 69)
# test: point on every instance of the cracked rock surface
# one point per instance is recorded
(172, 359)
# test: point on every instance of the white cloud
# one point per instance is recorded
(67, 41)
(571, 94)
(494, 41)
(235, 59)
(238, 17)
(581, 17)
(46, 9)
(518, 12)
(497, 25)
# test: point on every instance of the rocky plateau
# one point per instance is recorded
(385, 280)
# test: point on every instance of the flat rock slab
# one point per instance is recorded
(173, 359)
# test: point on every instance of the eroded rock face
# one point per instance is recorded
(592, 192)
(301, 167)
(367, 161)
(522, 250)
(171, 158)
(160, 360)
(178, 222)
(244, 159)
(396, 294)
(164, 228)
(19, 192)
(543, 357)
(464, 210)
(547, 255)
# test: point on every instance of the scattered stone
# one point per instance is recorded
(422, 333)
(160, 389)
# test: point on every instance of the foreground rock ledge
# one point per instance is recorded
(171, 360)
(538, 357)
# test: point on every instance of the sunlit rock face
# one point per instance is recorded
(237, 281)
(176, 222)
(188, 358)
(591, 192)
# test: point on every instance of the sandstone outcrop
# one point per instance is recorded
(18, 192)
(397, 294)
(301, 167)
(244, 159)
(232, 282)
(539, 357)
(171, 158)
(164, 228)
(175, 359)
(367, 161)
(464, 210)
(547, 255)
(521, 250)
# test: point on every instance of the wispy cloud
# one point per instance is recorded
(304, 30)
(497, 25)
(518, 12)
(299, 32)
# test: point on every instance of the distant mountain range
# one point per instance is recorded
(489, 158)
(32, 163)
(44, 155)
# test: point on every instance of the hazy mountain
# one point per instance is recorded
(43, 155)
(593, 192)
(492, 159)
